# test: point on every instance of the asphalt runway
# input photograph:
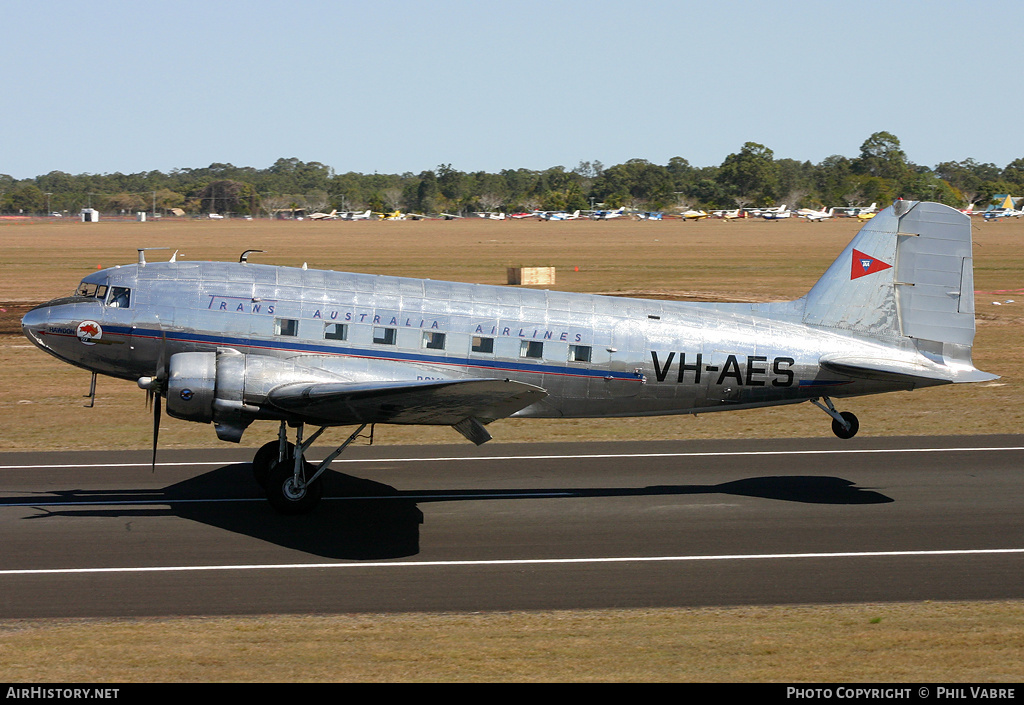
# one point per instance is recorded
(517, 527)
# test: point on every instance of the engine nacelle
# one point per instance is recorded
(229, 388)
(192, 386)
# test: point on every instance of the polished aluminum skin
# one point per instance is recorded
(228, 343)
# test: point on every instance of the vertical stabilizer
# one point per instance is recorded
(857, 292)
(908, 273)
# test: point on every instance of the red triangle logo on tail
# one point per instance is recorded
(866, 264)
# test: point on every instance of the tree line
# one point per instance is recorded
(751, 177)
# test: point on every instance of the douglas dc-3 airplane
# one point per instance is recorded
(231, 342)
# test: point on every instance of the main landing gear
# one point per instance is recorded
(844, 423)
(293, 485)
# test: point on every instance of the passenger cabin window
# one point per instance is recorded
(433, 341)
(483, 345)
(335, 331)
(384, 336)
(286, 326)
(120, 297)
(532, 349)
(579, 353)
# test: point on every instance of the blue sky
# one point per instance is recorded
(399, 86)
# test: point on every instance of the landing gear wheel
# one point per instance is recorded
(266, 456)
(288, 497)
(843, 432)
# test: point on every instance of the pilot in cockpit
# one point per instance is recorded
(120, 297)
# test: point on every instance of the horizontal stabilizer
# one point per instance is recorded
(921, 368)
(433, 402)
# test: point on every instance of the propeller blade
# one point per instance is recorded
(156, 429)
(160, 378)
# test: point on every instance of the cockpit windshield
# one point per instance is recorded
(113, 296)
(92, 290)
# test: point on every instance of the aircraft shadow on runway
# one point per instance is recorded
(365, 520)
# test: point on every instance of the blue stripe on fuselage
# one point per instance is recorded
(368, 353)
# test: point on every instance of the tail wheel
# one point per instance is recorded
(288, 496)
(849, 430)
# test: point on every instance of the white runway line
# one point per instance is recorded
(514, 562)
(707, 454)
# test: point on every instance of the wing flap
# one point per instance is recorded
(430, 402)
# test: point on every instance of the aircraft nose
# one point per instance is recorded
(33, 324)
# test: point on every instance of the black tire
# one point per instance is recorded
(281, 491)
(265, 456)
(841, 431)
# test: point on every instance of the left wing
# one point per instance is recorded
(464, 404)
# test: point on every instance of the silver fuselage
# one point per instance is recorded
(594, 355)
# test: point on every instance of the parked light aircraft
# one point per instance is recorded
(1000, 213)
(1006, 210)
(608, 215)
(353, 215)
(324, 216)
(728, 214)
(695, 215)
(233, 342)
(856, 211)
(778, 214)
(761, 212)
(818, 216)
(561, 215)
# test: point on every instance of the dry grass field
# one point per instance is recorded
(41, 408)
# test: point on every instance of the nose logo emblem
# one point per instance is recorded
(186, 394)
(89, 332)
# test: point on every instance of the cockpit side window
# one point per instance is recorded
(91, 290)
(120, 297)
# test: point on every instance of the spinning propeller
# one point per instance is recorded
(154, 387)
